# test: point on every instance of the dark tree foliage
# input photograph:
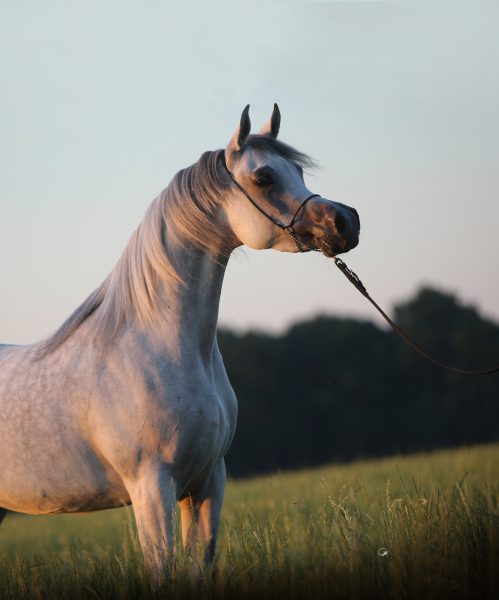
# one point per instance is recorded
(333, 389)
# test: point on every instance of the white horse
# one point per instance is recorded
(129, 401)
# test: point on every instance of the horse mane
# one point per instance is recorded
(182, 214)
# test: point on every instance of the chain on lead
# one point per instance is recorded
(300, 244)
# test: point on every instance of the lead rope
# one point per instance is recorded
(357, 283)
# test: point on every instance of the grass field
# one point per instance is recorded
(422, 526)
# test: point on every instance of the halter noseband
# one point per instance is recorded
(299, 243)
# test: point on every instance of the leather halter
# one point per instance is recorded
(301, 246)
(354, 280)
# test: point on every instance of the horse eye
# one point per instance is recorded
(263, 181)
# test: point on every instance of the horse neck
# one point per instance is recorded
(187, 325)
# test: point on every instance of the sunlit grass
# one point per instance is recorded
(407, 527)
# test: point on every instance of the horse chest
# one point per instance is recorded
(206, 422)
(184, 417)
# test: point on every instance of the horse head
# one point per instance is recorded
(282, 213)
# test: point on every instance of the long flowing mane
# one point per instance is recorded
(182, 214)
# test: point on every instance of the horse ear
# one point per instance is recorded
(271, 127)
(240, 135)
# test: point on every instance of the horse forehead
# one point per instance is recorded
(253, 159)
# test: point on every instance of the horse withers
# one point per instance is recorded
(128, 401)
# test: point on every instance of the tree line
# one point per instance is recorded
(336, 389)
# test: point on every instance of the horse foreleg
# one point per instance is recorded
(200, 515)
(153, 498)
(189, 517)
(3, 512)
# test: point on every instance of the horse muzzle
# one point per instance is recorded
(331, 227)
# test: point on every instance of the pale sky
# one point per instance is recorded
(101, 102)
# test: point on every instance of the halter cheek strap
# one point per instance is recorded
(301, 246)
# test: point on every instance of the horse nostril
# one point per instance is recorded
(340, 223)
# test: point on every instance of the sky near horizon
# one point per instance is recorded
(101, 103)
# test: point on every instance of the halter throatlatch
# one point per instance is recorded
(299, 243)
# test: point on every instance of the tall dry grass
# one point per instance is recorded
(423, 526)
